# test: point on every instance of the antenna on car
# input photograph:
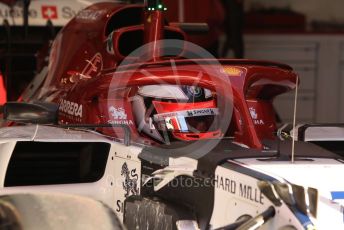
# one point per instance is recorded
(294, 120)
(154, 28)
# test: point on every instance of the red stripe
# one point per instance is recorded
(3, 93)
(165, 107)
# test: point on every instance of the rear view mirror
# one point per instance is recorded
(37, 113)
(127, 41)
(192, 28)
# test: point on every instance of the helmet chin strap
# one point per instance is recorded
(151, 125)
(166, 137)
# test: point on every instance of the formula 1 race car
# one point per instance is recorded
(132, 115)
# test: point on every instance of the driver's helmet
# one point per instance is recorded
(169, 113)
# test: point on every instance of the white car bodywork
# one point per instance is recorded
(108, 189)
(236, 190)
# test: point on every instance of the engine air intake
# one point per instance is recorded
(48, 163)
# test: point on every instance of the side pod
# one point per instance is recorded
(40, 211)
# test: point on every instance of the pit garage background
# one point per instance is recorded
(308, 35)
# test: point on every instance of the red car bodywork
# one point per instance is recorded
(86, 54)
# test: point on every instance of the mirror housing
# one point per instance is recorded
(192, 28)
(37, 113)
(122, 42)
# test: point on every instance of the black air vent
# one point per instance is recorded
(47, 163)
(333, 146)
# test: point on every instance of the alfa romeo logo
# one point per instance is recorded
(194, 91)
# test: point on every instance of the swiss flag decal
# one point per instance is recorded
(49, 12)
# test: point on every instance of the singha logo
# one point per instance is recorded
(130, 184)
(118, 113)
(253, 113)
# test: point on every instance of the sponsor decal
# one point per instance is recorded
(130, 185)
(127, 177)
(121, 122)
(59, 12)
(339, 195)
(93, 66)
(71, 108)
(258, 122)
(245, 191)
(49, 12)
(120, 116)
(187, 113)
(169, 123)
(68, 12)
(232, 71)
(202, 112)
(254, 116)
(163, 116)
(119, 206)
(90, 15)
(16, 12)
(87, 14)
(253, 113)
(91, 69)
(118, 113)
